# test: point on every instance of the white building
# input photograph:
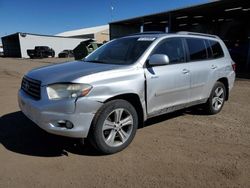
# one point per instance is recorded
(16, 45)
(98, 33)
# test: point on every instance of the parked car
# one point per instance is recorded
(110, 93)
(66, 53)
(85, 48)
(41, 52)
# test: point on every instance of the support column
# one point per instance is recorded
(169, 23)
(142, 28)
(248, 55)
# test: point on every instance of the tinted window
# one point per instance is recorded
(216, 49)
(197, 49)
(173, 48)
(121, 51)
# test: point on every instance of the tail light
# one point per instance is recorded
(234, 66)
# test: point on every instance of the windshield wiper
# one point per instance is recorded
(95, 61)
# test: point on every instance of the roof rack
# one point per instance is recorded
(197, 34)
(148, 33)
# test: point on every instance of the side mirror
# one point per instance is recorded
(158, 60)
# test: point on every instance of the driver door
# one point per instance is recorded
(168, 85)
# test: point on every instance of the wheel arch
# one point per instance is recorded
(224, 81)
(134, 100)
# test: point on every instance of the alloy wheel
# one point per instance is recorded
(117, 127)
(218, 98)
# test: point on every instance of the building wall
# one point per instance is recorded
(102, 36)
(98, 33)
(58, 44)
(11, 46)
(120, 30)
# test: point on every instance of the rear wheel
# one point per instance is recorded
(216, 99)
(114, 126)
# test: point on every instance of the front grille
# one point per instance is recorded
(31, 87)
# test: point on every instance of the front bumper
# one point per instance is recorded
(46, 114)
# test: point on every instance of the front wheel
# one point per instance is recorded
(114, 126)
(216, 100)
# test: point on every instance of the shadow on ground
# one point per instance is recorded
(20, 135)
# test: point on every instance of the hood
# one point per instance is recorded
(67, 72)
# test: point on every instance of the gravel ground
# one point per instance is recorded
(182, 149)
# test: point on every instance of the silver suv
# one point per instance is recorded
(110, 93)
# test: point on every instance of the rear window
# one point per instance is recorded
(197, 49)
(216, 49)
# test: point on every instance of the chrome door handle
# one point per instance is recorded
(185, 71)
(213, 67)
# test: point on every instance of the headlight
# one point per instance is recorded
(60, 91)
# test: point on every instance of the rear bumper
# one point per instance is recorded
(46, 114)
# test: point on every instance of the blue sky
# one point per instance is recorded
(54, 16)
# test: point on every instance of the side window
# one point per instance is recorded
(216, 49)
(173, 48)
(197, 49)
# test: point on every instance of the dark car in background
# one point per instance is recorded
(85, 48)
(66, 53)
(41, 52)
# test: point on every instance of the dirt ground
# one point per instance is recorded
(182, 149)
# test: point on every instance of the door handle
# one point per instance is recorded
(185, 71)
(154, 77)
(213, 67)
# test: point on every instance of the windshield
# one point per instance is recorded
(123, 51)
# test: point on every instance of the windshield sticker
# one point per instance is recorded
(146, 39)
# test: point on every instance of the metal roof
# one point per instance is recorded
(84, 31)
(24, 34)
(214, 2)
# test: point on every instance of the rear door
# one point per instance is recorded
(200, 67)
(168, 85)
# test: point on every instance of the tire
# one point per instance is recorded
(216, 99)
(113, 136)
